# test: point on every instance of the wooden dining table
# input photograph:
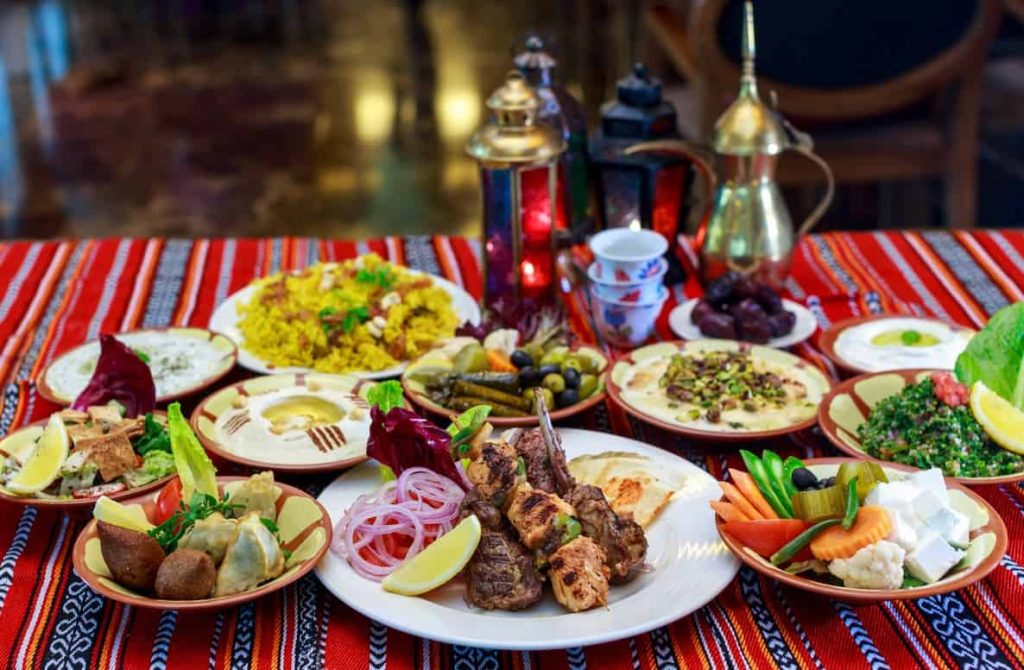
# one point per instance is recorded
(55, 295)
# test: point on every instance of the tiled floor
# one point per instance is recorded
(340, 118)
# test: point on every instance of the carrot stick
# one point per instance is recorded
(736, 498)
(728, 511)
(745, 483)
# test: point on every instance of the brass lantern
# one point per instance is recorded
(518, 160)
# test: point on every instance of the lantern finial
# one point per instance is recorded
(513, 135)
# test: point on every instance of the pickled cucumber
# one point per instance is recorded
(868, 476)
(814, 506)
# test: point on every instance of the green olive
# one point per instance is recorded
(471, 358)
(554, 383)
(588, 384)
(536, 352)
(549, 399)
(553, 357)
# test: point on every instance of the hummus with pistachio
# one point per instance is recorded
(722, 391)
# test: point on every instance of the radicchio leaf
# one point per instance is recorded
(530, 316)
(401, 439)
(119, 375)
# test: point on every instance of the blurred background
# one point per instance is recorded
(348, 118)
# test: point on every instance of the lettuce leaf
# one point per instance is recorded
(196, 471)
(386, 395)
(401, 439)
(155, 464)
(121, 376)
(995, 355)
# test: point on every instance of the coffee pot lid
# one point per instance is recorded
(749, 126)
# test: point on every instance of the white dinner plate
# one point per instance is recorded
(225, 320)
(806, 324)
(690, 565)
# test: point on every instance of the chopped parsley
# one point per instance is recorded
(199, 507)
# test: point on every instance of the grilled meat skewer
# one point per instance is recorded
(579, 576)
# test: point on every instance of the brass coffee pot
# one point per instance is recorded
(746, 226)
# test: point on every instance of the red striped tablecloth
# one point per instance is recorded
(54, 295)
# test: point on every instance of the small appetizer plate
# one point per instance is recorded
(21, 440)
(296, 422)
(688, 566)
(416, 392)
(182, 361)
(225, 320)
(990, 535)
(680, 323)
(634, 384)
(874, 343)
(303, 525)
(848, 405)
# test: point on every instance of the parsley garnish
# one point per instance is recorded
(199, 507)
(154, 439)
(142, 355)
(330, 320)
(382, 277)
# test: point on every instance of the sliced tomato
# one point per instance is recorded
(98, 490)
(168, 501)
(765, 536)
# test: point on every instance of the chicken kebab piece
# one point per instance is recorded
(544, 524)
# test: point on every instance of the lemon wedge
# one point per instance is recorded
(1003, 422)
(42, 465)
(438, 563)
(132, 517)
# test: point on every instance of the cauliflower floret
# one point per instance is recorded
(504, 339)
(876, 566)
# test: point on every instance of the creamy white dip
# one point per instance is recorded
(177, 362)
(858, 345)
(296, 425)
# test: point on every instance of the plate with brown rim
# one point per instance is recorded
(850, 403)
(952, 337)
(303, 524)
(416, 392)
(296, 422)
(633, 384)
(17, 440)
(992, 533)
(183, 361)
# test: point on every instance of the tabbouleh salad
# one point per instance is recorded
(916, 428)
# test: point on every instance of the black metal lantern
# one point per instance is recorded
(643, 190)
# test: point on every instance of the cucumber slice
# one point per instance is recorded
(817, 505)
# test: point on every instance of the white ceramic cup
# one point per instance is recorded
(628, 324)
(643, 291)
(625, 255)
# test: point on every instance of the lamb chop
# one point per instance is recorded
(622, 539)
(501, 575)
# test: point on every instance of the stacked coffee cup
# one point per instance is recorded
(626, 283)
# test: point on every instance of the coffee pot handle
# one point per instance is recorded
(819, 211)
(700, 162)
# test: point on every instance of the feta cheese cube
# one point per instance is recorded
(952, 525)
(926, 504)
(903, 532)
(931, 480)
(895, 496)
(932, 558)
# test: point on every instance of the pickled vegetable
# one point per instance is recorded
(502, 381)
(488, 396)
(867, 474)
(471, 358)
(571, 377)
(813, 506)
(463, 403)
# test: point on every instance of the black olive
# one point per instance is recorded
(572, 378)
(567, 397)
(529, 377)
(804, 479)
(521, 359)
(550, 369)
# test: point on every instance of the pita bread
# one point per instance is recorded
(634, 484)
